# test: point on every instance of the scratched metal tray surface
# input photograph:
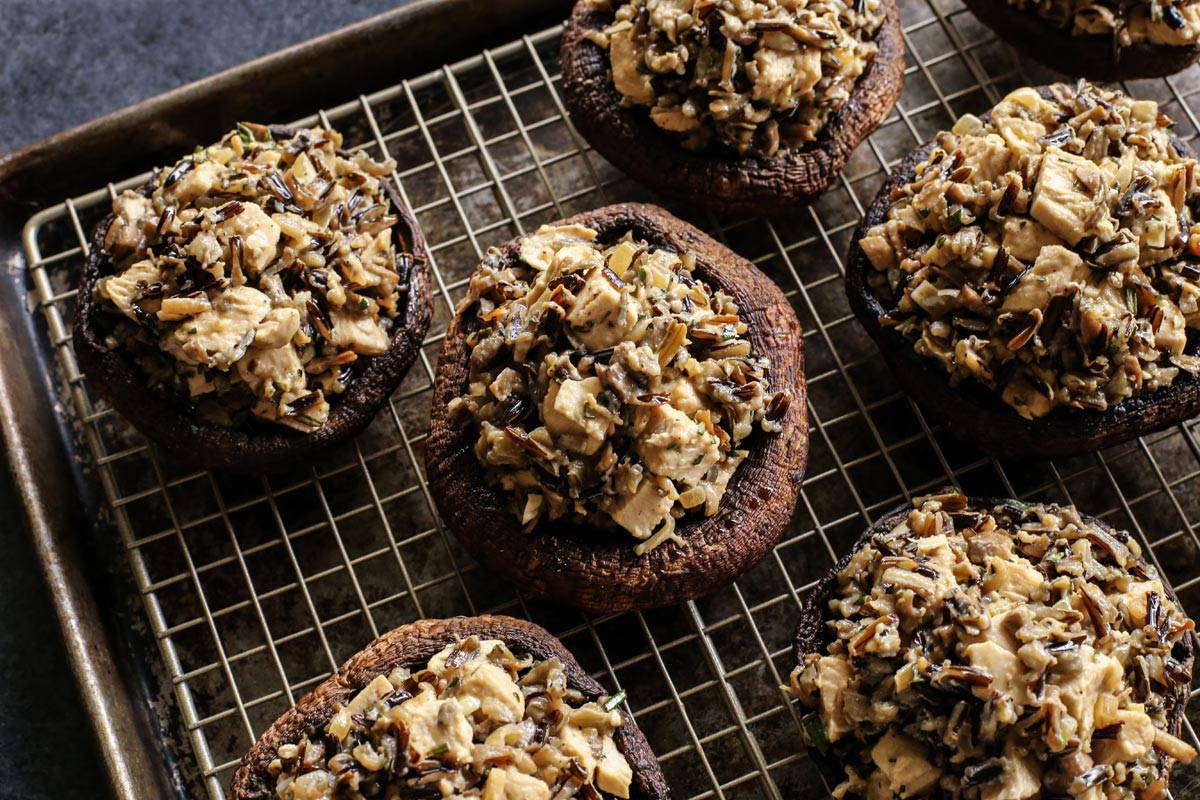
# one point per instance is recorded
(254, 589)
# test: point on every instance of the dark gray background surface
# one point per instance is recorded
(62, 63)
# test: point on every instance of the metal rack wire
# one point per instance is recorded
(256, 589)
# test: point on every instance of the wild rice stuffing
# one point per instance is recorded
(477, 721)
(998, 653)
(1175, 22)
(750, 77)
(1050, 253)
(258, 276)
(610, 385)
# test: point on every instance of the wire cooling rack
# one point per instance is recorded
(255, 589)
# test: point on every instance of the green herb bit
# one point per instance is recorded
(439, 750)
(362, 304)
(614, 701)
(307, 420)
(1131, 300)
(814, 729)
(246, 134)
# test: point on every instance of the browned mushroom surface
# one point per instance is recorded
(618, 418)
(998, 650)
(742, 105)
(254, 287)
(1039, 262)
(472, 707)
(1099, 40)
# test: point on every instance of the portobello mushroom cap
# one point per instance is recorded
(1090, 56)
(598, 570)
(412, 646)
(631, 141)
(976, 415)
(813, 635)
(256, 447)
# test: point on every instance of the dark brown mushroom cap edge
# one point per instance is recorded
(412, 646)
(1089, 56)
(257, 447)
(813, 636)
(598, 570)
(778, 185)
(974, 414)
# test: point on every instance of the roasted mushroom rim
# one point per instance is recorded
(475, 721)
(1174, 23)
(1045, 252)
(747, 77)
(255, 280)
(609, 384)
(995, 649)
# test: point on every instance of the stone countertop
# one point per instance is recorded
(64, 63)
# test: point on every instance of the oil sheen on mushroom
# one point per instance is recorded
(256, 277)
(998, 652)
(1048, 252)
(476, 721)
(750, 77)
(609, 385)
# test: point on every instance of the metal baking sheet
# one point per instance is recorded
(244, 593)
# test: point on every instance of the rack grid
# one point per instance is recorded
(256, 589)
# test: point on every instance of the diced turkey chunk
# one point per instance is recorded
(1022, 779)
(1055, 270)
(833, 679)
(435, 724)
(1024, 239)
(218, 337)
(1069, 196)
(508, 783)
(674, 445)
(273, 372)
(613, 773)
(500, 700)
(277, 328)
(573, 415)
(878, 250)
(1135, 739)
(358, 332)
(200, 180)
(642, 512)
(127, 233)
(538, 250)
(905, 764)
(782, 76)
(628, 78)
(259, 234)
(125, 289)
(174, 309)
(602, 314)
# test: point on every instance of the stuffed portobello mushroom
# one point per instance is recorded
(742, 106)
(484, 707)
(1097, 39)
(619, 414)
(1033, 277)
(257, 301)
(994, 650)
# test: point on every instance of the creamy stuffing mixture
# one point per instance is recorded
(476, 721)
(257, 277)
(998, 653)
(1049, 253)
(609, 385)
(1166, 22)
(750, 76)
